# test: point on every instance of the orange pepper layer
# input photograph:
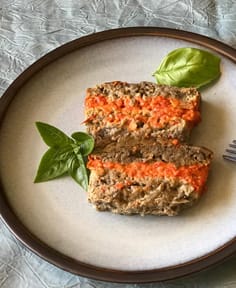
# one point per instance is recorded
(154, 111)
(195, 175)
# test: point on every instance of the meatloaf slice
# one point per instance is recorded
(159, 180)
(117, 110)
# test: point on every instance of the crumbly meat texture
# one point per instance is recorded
(115, 191)
(148, 196)
(117, 89)
(147, 150)
(117, 110)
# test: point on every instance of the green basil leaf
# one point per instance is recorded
(52, 136)
(78, 171)
(85, 141)
(53, 163)
(188, 67)
(66, 155)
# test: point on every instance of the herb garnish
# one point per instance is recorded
(65, 156)
(188, 67)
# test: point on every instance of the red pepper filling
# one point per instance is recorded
(195, 175)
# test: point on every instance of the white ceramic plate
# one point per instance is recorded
(57, 212)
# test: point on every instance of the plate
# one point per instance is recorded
(55, 221)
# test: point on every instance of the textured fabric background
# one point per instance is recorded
(31, 28)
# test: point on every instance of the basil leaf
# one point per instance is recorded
(78, 171)
(85, 141)
(53, 164)
(52, 136)
(188, 67)
(65, 155)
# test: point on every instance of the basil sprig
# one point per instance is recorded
(188, 67)
(65, 156)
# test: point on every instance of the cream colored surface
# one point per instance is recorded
(58, 212)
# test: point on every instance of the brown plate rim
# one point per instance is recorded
(67, 263)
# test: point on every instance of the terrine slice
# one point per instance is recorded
(117, 110)
(158, 178)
